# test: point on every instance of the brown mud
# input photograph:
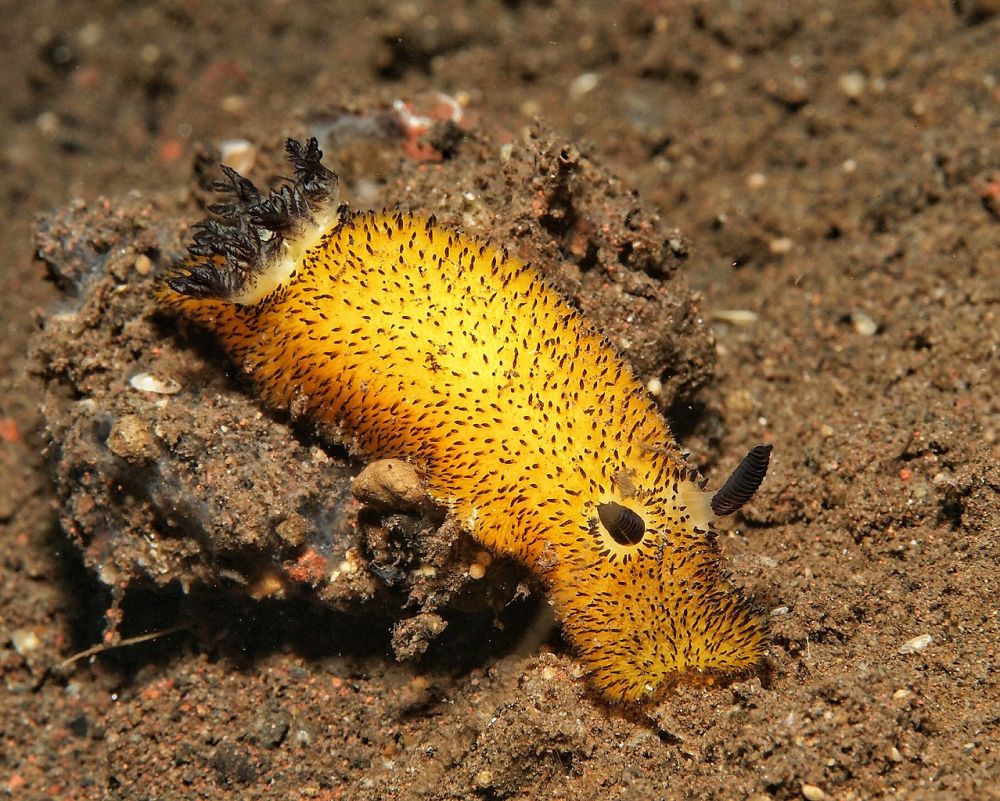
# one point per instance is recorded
(787, 214)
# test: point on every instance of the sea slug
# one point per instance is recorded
(405, 339)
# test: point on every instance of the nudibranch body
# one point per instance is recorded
(416, 342)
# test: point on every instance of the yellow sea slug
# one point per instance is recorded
(412, 341)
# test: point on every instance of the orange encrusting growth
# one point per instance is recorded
(415, 342)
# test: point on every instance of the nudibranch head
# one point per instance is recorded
(625, 526)
(645, 599)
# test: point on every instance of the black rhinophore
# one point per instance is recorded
(743, 483)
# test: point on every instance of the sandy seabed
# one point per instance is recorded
(786, 214)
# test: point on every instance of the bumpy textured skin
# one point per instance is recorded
(416, 342)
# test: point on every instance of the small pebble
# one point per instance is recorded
(143, 264)
(812, 793)
(48, 123)
(389, 484)
(853, 84)
(293, 530)
(477, 571)
(271, 727)
(90, 34)
(24, 641)
(234, 104)
(778, 611)
(131, 439)
(894, 755)
(781, 245)
(864, 324)
(267, 584)
(583, 84)
(916, 645)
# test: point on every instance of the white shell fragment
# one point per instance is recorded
(583, 84)
(812, 793)
(916, 645)
(734, 316)
(147, 382)
(239, 154)
(864, 324)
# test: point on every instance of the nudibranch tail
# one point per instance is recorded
(416, 342)
(254, 241)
